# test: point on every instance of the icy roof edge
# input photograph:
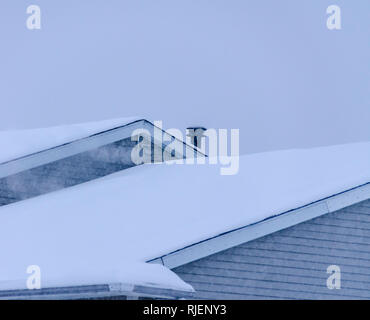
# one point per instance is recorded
(74, 147)
(130, 279)
(261, 228)
(104, 290)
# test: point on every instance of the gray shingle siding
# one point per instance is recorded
(291, 263)
(67, 172)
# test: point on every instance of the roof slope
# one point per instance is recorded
(148, 211)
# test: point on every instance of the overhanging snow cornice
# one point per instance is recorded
(95, 291)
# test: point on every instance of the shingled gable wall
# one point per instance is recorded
(72, 170)
(67, 172)
(291, 263)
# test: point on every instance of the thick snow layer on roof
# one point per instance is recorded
(18, 143)
(81, 272)
(150, 210)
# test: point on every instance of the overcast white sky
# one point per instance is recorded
(270, 68)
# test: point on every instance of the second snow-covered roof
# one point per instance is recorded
(148, 211)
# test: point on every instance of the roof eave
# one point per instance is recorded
(262, 228)
(95, 291)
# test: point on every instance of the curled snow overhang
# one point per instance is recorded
(76, 280)
(98, 291)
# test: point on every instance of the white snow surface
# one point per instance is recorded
(18, 143)
(101, 272)
(150, 210)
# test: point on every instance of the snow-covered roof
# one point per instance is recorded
(128, 278)
(18, 143)
(148, 211)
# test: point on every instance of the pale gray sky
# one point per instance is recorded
(270, 68)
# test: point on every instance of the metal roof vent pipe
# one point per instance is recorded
(196, 135)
